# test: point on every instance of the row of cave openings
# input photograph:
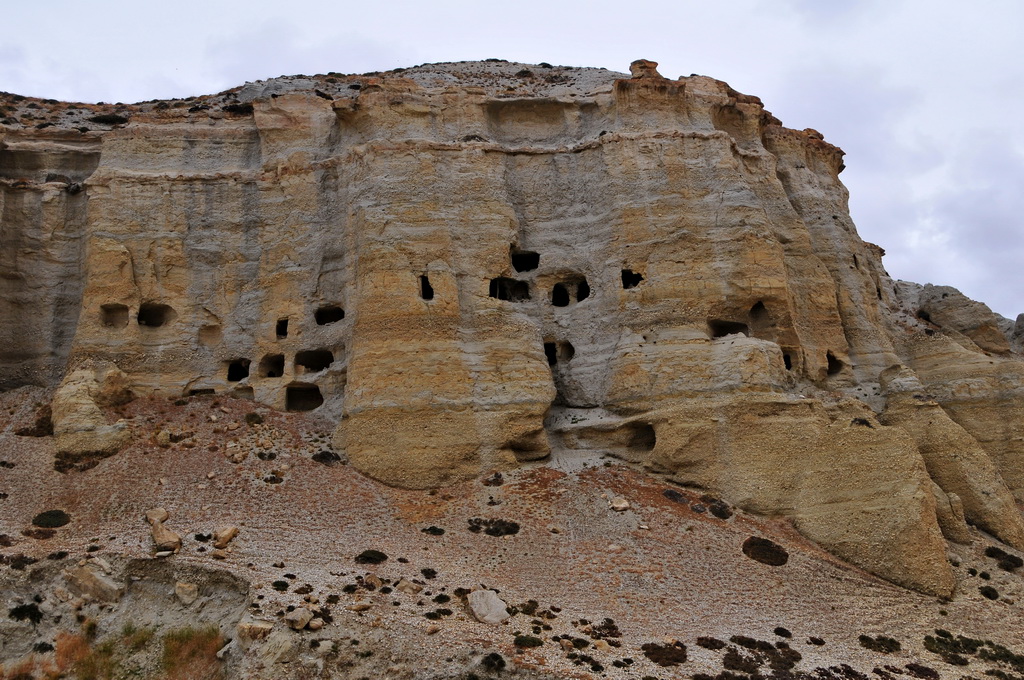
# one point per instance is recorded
(561, 352)
(564, 293)
(758, 324)
(155, 315)
(298, 396)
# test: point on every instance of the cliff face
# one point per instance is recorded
(471, 266)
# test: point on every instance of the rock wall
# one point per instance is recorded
(469, 266)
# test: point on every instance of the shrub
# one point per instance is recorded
(527, 641)
(371, 557)
(493, 527)
(764, 551)
(880, 644)
(665, 655)
(192, 653)
(26, 612)
(108, 119)
(51, 519)
(710, 643)
(989, 592)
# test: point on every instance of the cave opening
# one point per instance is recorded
(525, 260)
(642, 437)
(328, 314)
(559, 352)
(510, 290)
(787, 359)
(238, 369)
(154, 314)
(302, 397)
(834, 364)
(314, 360)
(282, 328)
(719, 328)
(551, 352)
(582, 290)
(114, 315)
(560, 295)
(631, 279)
(271, 366)
(426, 290)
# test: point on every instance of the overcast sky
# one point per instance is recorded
(925, 96)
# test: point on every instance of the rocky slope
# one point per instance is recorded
(458, 270)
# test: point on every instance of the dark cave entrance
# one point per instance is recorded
(302, 397)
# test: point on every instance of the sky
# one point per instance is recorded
(923, 95)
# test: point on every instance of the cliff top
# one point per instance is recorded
(493, 77)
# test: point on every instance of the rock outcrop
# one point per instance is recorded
(469, 266)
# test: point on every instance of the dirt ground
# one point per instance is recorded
(619, 589)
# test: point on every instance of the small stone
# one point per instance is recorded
(163, 439)
(487, 607)
(602, 646)
(223, 535)
(359, 607)
(619, 504)
(218, 554)
(408, 587)
(566, 645)
(233, 426)
(210, 475)
(102, 564)
(298, 618)
(164, 539)
(186, 592)
(254, 630)
(157, 515)
(373, 581)
(315, 624)
(89, 581)
(164, 553)
(433, 630)
(213, 418)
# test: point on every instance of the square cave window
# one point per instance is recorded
(281, 330)
(329, 314)
(302, 397)
(271, 366)
(114, 315)
(154, 314)
(525, 260)
(511, 290)
(238, 370)
(314, 360)
(719, 328)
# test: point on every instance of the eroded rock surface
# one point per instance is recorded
(471, 266)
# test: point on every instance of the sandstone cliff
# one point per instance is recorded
(471, 266)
